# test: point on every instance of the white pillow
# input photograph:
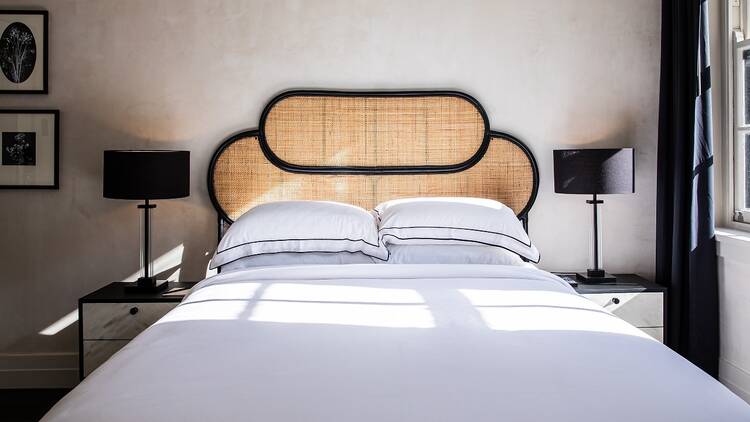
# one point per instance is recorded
(298, 258)
(451, 254)
(457, 221)
(300, 226)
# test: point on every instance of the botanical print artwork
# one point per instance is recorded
(19, 149)
(17, 52)
(23, 52)
(29, 149)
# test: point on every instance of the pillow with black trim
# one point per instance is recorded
(298, 258)
(301, 227)
(457, 221)
(451, 254)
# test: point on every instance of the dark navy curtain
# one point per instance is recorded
(685, 243)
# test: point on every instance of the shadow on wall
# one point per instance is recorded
(621, 136)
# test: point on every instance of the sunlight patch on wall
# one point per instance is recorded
(171, 259)
(61, 324)
(175, 276)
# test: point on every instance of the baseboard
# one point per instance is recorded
(38, 370)
(735, 378)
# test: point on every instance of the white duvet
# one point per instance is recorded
(395, 343)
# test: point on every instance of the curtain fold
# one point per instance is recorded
(685, 244)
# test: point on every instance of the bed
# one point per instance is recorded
(374, 342)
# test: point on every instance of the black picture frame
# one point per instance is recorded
(45, 51)
(55, 185)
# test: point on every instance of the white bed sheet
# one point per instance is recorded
(395, 343)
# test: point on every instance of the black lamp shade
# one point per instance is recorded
(146, 174)
(594, 171)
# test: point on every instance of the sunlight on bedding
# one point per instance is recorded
(529, 310)
(342, 305)
(215, 310)
(237, 291)
(551, 319)
(335, 293)
(307, 304)
(368, 315)
(487, 297)
(312, 303)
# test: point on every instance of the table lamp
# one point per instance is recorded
(594, 172)
(146, 175)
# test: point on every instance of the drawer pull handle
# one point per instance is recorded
(616, 301)
(133, 310)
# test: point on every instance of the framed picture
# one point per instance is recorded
(30, 149)
(23, 51)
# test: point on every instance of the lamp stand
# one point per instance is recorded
(147, 283)
(596, 274)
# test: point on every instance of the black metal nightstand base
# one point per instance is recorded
(585, 278)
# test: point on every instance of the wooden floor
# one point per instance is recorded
(28, 405)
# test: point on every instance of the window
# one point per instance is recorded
(739, 21)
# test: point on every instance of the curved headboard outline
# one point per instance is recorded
(224, 220)
(418, 169)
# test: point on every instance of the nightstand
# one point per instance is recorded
(110, 317)
(638, 301)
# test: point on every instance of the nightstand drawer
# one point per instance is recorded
(643, 309)
(120, 321)
(96, 352)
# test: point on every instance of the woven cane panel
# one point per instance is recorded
(244, 178)
(374, 131)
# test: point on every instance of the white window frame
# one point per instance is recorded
(741, 128)
(734, 128)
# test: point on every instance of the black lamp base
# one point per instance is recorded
(595, 276)
(146, 285)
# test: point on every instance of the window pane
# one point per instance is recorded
(746, 62)
(746, 171)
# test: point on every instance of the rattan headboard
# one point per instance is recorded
(367, 147)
